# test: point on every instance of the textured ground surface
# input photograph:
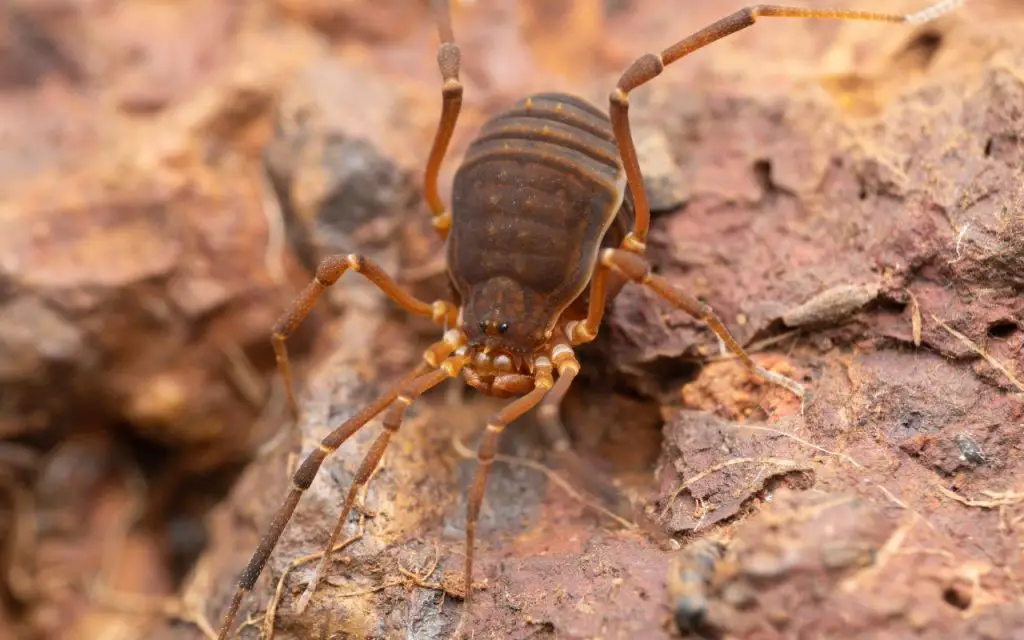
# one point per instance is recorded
(854, 210)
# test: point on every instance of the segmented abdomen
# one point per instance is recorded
(539, 190)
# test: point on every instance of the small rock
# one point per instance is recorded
(667, 185)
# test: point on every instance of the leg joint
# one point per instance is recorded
(631, 265)
(452, 89)
(331, 268)
(442, 221)
(452, 367)
(449, 60)
(304, 475)
(579, 332)
(547, 411)
(632, 243)
(645, 68)
(707, 313)
(560, 354)
(439, 311)
(485, 456)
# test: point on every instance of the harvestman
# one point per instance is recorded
(542, 231)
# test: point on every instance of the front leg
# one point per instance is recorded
(543, 380)
(637, 269)
(329, 271)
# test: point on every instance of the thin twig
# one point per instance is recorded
(242, 373)
(778, 462)
(997, 499)
(915, 318)
(464, 452)
(368, 590)
(251, 621)
(272, 260)
(896, 500)
(959, 240)
(271, 615)
(364, 513)
(421, 580)
(981, 352)
(786, 434)
(888, 550)
(754, 347)
(272, 411)
(903, 506)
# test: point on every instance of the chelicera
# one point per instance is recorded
(549, 219)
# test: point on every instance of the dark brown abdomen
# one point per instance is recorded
(537, 194)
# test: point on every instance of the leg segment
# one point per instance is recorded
(392, 421)
(304, 475)
(649, 66)
(637, 269)
(583, 474)
(567, 366)
(330, 269)
(486, 451)
(449, 58)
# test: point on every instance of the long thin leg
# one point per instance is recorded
(486, 451)
(331, 268)
(649, 66)
(304, 475)
(568, 367)
(449, 58)
(584, 474)
(392, 421)
(637, 269)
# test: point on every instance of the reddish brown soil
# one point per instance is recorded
(849, 198)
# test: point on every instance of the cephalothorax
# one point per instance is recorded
(549, 218)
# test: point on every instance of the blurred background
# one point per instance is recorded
(172, 171)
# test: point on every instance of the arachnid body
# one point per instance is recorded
(549, 218)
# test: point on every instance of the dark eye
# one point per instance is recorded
(483, 326)
(503, 327)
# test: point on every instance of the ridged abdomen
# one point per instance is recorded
(539, 191)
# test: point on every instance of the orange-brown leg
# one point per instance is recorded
(331, 268)
(487, 449)
(391, 423)
(649, 66)
(637, 269)
(307, 471)
(449, 58)
(583, 474)
(568, 367)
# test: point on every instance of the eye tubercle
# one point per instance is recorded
(492, 327)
